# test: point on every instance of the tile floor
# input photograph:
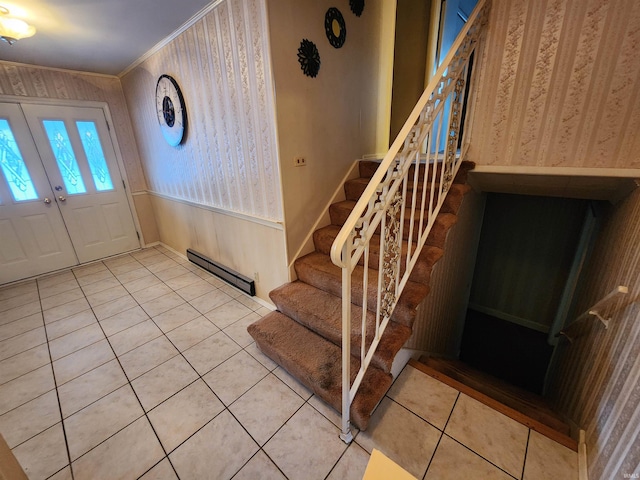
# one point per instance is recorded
(140, 366)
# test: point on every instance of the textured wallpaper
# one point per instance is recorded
(228, 158)
(596, 380)
(28, 81)
(560, 85)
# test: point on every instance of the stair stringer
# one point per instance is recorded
(322, 376)
(440, 316)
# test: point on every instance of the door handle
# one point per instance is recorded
(47, 200)
(62, 198)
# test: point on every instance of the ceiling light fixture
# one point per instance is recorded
(13, 29)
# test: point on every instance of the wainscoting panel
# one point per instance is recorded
(596, 380)
(253, 249)
(228, 158)
(560, 85)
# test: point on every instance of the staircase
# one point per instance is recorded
(304, 334)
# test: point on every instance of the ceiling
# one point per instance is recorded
(101, 36)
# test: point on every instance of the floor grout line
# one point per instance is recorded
(55, 385)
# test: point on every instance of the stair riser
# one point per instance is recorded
(421, 271)
(334, 337)
(321, 312)
(316, 363)
(327, 282)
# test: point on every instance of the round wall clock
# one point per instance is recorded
(172, 114)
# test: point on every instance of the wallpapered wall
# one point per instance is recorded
(228, 158)
(219, 192)
(28, 81)
(596, 380)
(335, 118)
(560, 85)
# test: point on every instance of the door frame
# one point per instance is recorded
(104, 106)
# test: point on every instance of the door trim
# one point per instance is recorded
(104, 106)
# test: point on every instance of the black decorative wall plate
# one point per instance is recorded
(335, 27)
(357, 6)
(309, 58)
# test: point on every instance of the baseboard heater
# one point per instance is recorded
(225, 273)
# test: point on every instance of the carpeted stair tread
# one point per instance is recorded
(324, 237)
(340, 211)
(322, 312)
(317, 363)
(317, 269)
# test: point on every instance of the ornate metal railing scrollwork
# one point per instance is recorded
(402, 200)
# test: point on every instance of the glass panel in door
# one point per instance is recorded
(13, 167)
(64, 155)
(33, 237)
(95, 155)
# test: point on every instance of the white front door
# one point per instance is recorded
(80, 162)
(33, 237)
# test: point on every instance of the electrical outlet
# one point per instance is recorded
(299, 161)
(256, 277)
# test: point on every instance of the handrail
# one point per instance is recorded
(599, 310)
(429, 150)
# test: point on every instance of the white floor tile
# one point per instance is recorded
(94, 424)
(235, 376)
(260, 466)
(402, 436)
(180, 416)
(453, 461)
(30, 419)
(265, 408)
(44, 454)
(163, 381)
(233, 447)
(306, 447)
(492, 435)
(423, 395)
(547, 459)
(211, 352)
(128, 454)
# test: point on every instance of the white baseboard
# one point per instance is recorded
(402, 358)
(583, 473)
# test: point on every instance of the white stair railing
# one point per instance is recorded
(402, 201)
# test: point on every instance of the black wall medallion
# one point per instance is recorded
(309, 58)
(335, 27)
(357, 6)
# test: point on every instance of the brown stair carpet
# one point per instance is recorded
(316, 362)
(304, 335)
(525, 407)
